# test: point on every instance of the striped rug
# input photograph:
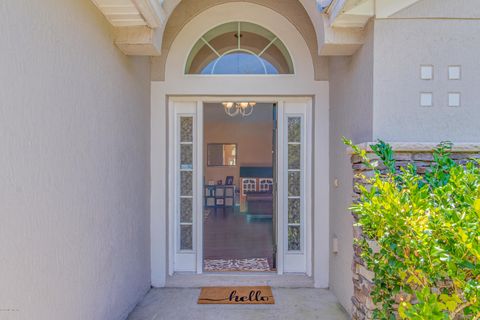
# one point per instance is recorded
(236, 265)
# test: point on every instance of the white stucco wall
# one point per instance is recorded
(351, 111)
(74, 165)
(375, 94)
(441, 9)
(403, 44)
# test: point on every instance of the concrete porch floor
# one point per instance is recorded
(291, 304)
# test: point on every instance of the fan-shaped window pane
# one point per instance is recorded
(240, 63)
(239, 48)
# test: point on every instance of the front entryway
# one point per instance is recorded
(290, 303)
(284, 225)
(239, 153)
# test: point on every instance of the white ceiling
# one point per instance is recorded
(214, 113)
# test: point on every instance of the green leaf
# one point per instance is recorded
(476, 205)
(428, 232)
(451, 305)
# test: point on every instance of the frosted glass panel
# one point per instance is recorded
(295, 172)
(186, 183)
(186, 240)
(294, 129)
(293, 238)
(186, 156)
(186, 209)
(294, 211)
(185, 164)
(186, 129)
(294, 183)
(294, 156)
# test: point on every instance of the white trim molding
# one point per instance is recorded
(261, 88)
(316, 215)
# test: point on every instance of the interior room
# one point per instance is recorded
(239, 209)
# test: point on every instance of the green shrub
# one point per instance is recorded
(427, 263)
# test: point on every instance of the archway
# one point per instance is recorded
(296, 91)
(292, 10)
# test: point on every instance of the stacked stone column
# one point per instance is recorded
(421, 154)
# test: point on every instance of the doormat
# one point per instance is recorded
(236, 265)
(236, 295)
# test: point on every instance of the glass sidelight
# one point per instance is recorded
(185, 214)
(296, 179)
(294, 202)
(183, 190)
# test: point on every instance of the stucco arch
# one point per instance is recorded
(292, 10)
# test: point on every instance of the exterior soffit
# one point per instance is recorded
(148, 19)
(356, 13)
(132, 13)
(148, 27)
(144, 27)
(345, 21)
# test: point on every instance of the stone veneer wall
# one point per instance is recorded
(421, 155)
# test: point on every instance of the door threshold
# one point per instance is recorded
(193, 280)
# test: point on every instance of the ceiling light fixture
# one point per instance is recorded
(234, 108)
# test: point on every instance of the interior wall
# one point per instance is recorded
(351, 113)
(74, 165)
(254, 146)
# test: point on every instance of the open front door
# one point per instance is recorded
(292, 214)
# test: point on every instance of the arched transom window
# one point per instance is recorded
(239, 48)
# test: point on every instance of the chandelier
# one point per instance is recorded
(243, 108)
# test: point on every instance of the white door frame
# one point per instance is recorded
(192, 261)
(295, 261)
(177, 84)
(183, 259)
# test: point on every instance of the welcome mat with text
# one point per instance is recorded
(236, 295)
